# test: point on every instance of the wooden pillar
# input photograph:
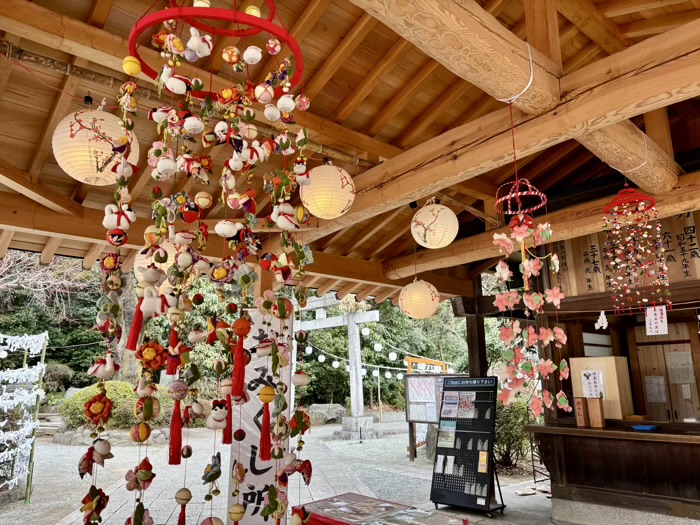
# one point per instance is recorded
(659, 130)
(476, 336)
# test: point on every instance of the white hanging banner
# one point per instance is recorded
(656, 320)
(19, 343)
(260, 474)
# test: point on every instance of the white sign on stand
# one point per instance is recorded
(592, 381)
(656, 320)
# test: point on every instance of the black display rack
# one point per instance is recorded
(464, 474)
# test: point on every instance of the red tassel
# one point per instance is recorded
(182, 520)
(136, 326)
(266, 435)
(176, 436)
(228, 431)
(173, 360)
(238, 377)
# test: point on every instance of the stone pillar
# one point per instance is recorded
(357, 404)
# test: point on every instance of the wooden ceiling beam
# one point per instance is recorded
(370, 231)
(366, 292)
(542, 25)
(446, 99)
(402, 98)
(577, 221)
(326, 287)
(339, 55)
(476, 269)
(613, 8)
(370, 81)
(49, 250)
(483, 106)
(62, 33)
(584, 15)
(5, 240)
(581, 57)
(92, 255)
(371, 273)
(99, 12)
(331, 239)
(478, 188)
(300, 29)
(346, 290)
(384, 295)
(637, 81)
(658, 25)
(386, 240)
(20, 181)
(474, 45)
(658, 129)
(128, 261)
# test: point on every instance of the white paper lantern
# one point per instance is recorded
(335, 364)
(82, 144)
(365, 331)
(419, 300)
(329, 193)
(309, 350)
(321, 358)
(378, 347)
(364, 371)
(387, 375)
(399, 376)
(392, 356)
(375, 373)
(434, 226)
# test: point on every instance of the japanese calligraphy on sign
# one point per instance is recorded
(656, 320)
(585, 270)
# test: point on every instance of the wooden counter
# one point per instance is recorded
(653, 471)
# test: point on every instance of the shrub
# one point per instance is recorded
(57, 377)
(511, 441)
(123, 396)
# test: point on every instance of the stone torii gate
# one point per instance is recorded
(358, 422)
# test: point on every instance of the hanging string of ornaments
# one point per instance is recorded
(635, 253)
(174, 243)
(519, 199)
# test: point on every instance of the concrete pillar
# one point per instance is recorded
(355, 361)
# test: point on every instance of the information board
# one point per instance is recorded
(463, 473)
(423, 395)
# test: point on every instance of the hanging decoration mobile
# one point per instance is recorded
(635, 252)
(519, 199)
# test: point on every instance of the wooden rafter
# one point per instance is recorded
(542, 23)
(658, 128)
(20, 181)
(370, 231)
(92, 255)
(6, 65)
(582, 57)
(613, 8)
(366, 292)
(381, 244)
(370, 81)
(645, 77)
(384, 295)
(340, 54)
(569, 223)
(584, 15)
(52, 244)
(477, 187)
(401, 99)
(5, 240)
(658, 25)
(446, 99)
(128, 262)
(63, 33)
(301, 27)
(329, 285)
(473, 45)
(345, 290)
(331, 239)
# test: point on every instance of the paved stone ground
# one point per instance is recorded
(377, 468)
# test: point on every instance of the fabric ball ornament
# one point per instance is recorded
(266, 394)
(236, 512)
(329, 193)
(131, 66)
(264, 93)
(282, 308)
(272, 113)
(434, 226)
(183, 496)
(84, 143)
(253, 10)
(286, 104)
(252, 55)
(203, 199)
(419, 300)
(116, 237)
(302, 215)
(231, 55)
(302, 102)
(274, 46)
(102, 447)
(140, 432)
(239, 435)
(147, 408)
(212, 520)
(190, 212)
(300, 378)
(178, 390)
(197, 299)
(186, 452)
